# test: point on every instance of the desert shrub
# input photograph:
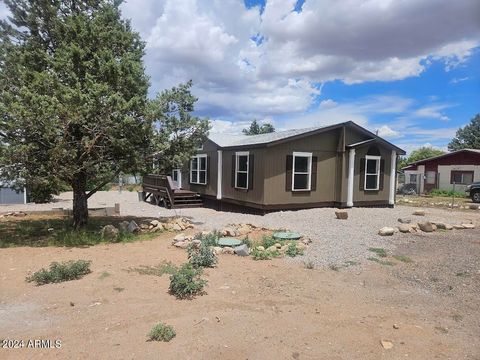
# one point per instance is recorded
(268, 241)
(264, 254)
(165, 267)
(161, 332)
(379, 251)
(202, 256)
(292, 250)
(210, 239)
(186, 282)
(59, 272)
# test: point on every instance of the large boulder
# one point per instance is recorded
(242, 250)
(468, 226)
(426, 226)
(341, 214)
(110, 232)
(386, 231)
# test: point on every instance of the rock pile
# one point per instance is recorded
(424, 226)
(234, 230)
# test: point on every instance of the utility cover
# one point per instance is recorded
(226, 241)
(287, 235)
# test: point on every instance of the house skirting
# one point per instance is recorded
(233, 205)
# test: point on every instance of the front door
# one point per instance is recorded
(430, 181)
(177, 177)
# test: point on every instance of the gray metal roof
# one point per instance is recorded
(226, 140)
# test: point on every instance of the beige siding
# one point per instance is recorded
(323, 146)
(380, 195)
(210, 149)
(254, 195)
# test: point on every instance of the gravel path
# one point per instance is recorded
(334, 241)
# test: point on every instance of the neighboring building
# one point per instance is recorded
(461, 167)
(8, 195)
(342, 165)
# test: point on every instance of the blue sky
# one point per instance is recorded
(409, 69)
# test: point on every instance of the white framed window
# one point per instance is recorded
(413, 178)
(198, 169)
(372, 172)
(200, 147)
(302, 171)
(241, 169)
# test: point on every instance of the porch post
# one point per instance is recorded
(351, 165)
(219, 174)
(393, 172)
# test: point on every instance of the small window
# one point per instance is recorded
(302, 171)
(241, 170)
(198, 169)
(413, 178)
(461, 177)
(372, 172)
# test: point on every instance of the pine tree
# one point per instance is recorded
(73, 92)
(467, 137)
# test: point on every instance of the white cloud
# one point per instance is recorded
(387, 132)
(432, 112)
(237, 77)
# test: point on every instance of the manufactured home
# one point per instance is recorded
(341, 165)
(451, 171)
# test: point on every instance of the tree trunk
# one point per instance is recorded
(80, 204)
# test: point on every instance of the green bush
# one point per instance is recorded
(210, 239)
(268, 241)
(446, 193)
(59, 272)
(186, 282)
(292, 250)
(161, 332)
(202, 256)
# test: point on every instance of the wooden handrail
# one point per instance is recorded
(161, 181)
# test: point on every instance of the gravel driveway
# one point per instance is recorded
(334, 241)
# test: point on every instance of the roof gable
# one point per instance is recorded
(439, 157)
(239, 141)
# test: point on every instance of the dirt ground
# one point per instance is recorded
(272, 309)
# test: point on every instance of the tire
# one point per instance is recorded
(476, 197)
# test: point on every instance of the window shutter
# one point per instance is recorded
(288, 173)
(233, 170)
(382, 174)
(251, 167)
(207, 175)
(313, 181)
(362, 174)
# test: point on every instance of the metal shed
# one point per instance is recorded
(8, 195)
